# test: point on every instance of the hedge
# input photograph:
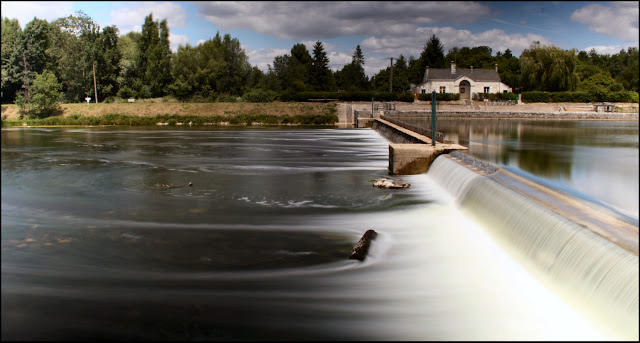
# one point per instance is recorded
(439, 96)
(496, 96)
(620, 96)
(347, 96)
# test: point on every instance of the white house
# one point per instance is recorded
(467, 82)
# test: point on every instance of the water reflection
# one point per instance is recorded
(597, 158)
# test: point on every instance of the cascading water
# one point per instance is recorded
(597, 277)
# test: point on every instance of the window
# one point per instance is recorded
(424, 91)
(443, 89)
(505, 91)
(487, 89)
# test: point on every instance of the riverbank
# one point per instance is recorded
(276, 113)
(301, 113)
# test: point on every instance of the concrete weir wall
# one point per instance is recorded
(410, 152)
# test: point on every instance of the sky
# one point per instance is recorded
(383, 29)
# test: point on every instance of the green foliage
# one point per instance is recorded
(347, 96)
(260, 95)
(11, 31)
(497, 96)
(548, 68)
(580, 96)
(439, 96)
(536, 96)
(227, 98)
(173, 119)
(321, 76)
(43, 99)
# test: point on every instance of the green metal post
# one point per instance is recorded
(433, 118)
(372, 108)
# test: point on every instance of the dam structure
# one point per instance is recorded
(584, 252)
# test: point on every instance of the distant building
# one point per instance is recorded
(467, 82)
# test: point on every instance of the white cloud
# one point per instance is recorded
(131, 16)
(413, 43)
(25, 11)
(262, 57)
(616, 19)
(176, 40)
(610, 50)
(333, 19)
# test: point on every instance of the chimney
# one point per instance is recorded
(453, 67)
(472, 69)
(426, 75)
(496, 67)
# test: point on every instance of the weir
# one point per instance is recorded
(586, 253)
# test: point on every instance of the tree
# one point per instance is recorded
(321, 75)
(154, 58)
(432, 55)
(548, 68)
(11, 31)
(44, 98)
(128, 48)
(400, 75)
(352, 76)
(28, 58)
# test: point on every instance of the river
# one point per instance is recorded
(94, 245)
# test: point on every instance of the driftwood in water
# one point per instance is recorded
(386, 183)
(361, 249)
(160, 185)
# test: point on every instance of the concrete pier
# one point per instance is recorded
(410, 152)
(407, 159)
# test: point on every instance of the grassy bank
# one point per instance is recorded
(137, 114)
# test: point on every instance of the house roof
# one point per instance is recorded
(476, 75)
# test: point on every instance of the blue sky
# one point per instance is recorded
(383, 29)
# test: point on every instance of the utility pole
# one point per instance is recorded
(391, 78)
(95, 87)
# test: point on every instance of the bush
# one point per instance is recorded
(496, 96)
(536, 96)
(260, 95)
(43, 98)
(126, 92)
(347, 96)
(227, 98)
(439, 96)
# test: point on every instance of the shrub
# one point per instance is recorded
(260, 95)
(496, 96)
(227, 98)
(439, 96)
(536, 96)
(43, 99)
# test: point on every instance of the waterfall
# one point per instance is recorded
(597, 277)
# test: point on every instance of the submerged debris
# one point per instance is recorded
(386, 183)
(160, 185)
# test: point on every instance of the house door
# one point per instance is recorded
(465, 90)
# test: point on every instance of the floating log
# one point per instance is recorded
(386, 183)
(361, 249)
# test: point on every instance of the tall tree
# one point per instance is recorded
(29, 56)
(548, 68)
(432, 55)
(11, 31)
(321, 75)
(351, 76)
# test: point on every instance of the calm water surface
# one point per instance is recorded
(94, 247)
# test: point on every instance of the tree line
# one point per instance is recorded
(63, 56)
